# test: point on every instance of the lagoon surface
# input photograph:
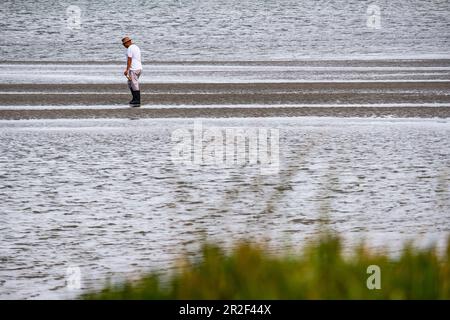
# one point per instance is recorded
(106, 197)
(216, 30)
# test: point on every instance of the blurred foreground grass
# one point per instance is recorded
(320, 271)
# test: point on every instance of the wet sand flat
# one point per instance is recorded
(231, 112)
(55, 99)
(101, 88)
(355, 99)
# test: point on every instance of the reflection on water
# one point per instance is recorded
(104, 195)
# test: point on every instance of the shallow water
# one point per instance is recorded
(223, 30)
(104, 195)
(299, 71)
(224, 107)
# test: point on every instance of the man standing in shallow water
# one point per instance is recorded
(133, 70)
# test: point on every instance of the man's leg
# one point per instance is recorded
(134, 87)
(129, 86)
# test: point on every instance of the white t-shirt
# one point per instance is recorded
(134, 53)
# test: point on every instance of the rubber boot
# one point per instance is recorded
(138, 97)
(136, 102)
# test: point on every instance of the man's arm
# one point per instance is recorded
(128, 66)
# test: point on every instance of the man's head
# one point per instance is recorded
(126, 42)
